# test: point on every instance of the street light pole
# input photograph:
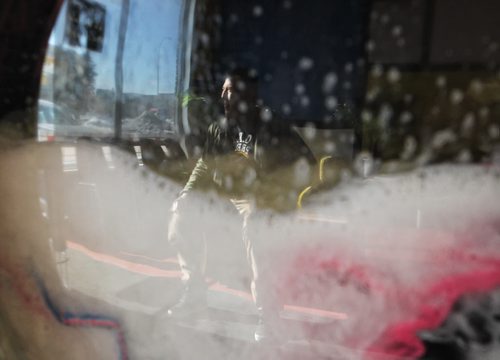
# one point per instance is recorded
(119, 69)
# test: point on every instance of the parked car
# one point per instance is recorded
(57, 124)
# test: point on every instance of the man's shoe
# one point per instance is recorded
(192, 302)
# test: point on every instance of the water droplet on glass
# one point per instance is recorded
(456, 96)
(442, 138)
(306, 63)
(468, 123)
(409, 149)
(301, 172)
(266, 114)
(441, 81)
(397, 30)
(240, 85)
(484, 112)
(494, 131)
(286, 109)
(233, 18)
(228, 182)
(205, 39)
(331, 102)
(464, 156)
(287, 4)
(242, 107)
(329, 82)
(408, 98)
(377, 70)
(309, 131)
(258, 11)
(327, 119)
(304, 101)
(329, 147)
(197, 151)
(406, 117)
(493, 47)
(345, 175)
(370, 45)
(385, 115)
(476, 86)
(348, 67)
(372, 94)
(249, 176)
(393, 75)
(364, 164)
(366, 116)
(300, 89)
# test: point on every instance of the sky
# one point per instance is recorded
(150, 45)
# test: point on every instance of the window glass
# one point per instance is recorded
(258, 179)
(88, 72)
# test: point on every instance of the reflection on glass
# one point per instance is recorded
(69, 159)
(79, 73)
(85, 24)
(106, 151)
(138, 153)
(359, 162)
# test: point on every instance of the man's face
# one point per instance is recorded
(237, 98)
(227, 95)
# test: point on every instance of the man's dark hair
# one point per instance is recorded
(246, 75)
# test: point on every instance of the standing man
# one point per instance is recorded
(238, 148)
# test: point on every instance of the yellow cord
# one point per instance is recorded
(301, 196)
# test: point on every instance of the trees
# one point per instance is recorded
(74, 80)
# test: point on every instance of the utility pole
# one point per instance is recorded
(119, 69)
